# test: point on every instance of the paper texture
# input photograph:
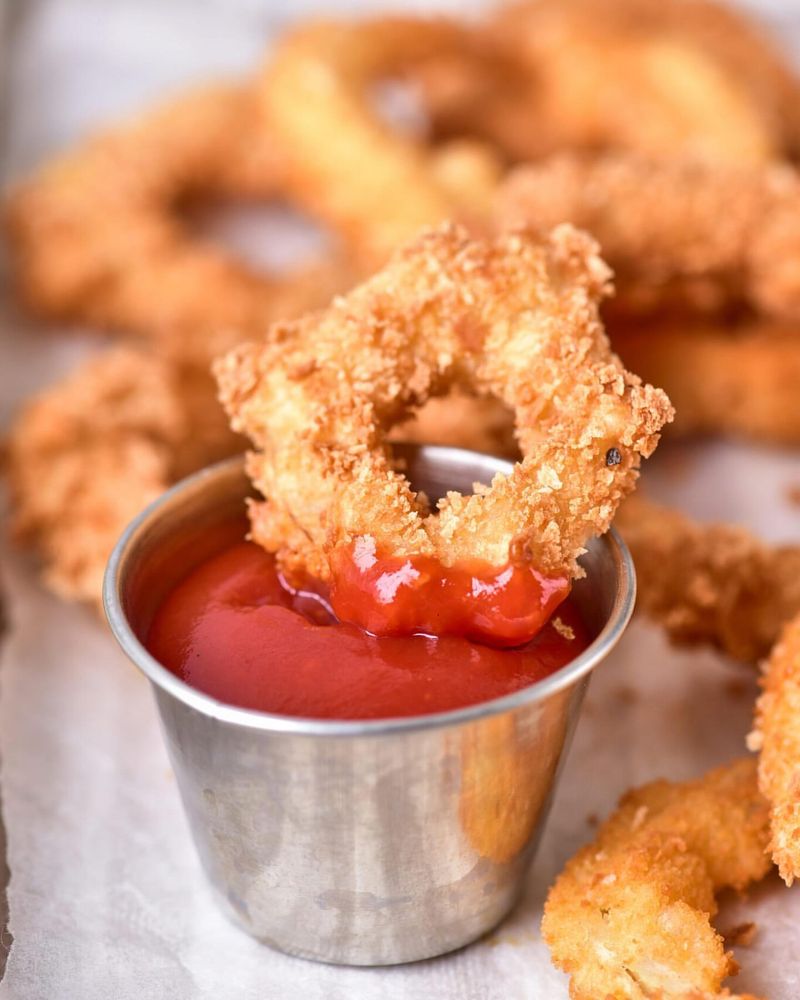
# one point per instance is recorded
(106, 897)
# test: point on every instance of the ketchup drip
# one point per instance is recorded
(407, 595)
(233, 629)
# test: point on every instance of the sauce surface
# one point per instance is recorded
(403, 595)
(233, 630)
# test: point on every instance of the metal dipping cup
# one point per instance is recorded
(362, 842)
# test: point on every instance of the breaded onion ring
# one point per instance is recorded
(97, 235)
(373, 184)
(712, 584)
(630, 914)
(654, 76)
(516, 318)
(741, 380)
(776, 735)
(707, 235)
(89, 452)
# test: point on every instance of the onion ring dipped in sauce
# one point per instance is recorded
(514, 317)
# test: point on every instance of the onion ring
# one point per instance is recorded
(714, 237)
(653, 76)
(630, 914)
(89, 452)
(776, 735)
(517, 318)
(740, 380)
(96, 236)
(374, 185)
(712, 584)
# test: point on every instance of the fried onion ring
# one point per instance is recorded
(373, 184)
(89, 452)
(776, 735)
(740, 380)
(714, 237)
(516, 318)
(654, 76)
(97, 235)
(630, 914)
(712, 584)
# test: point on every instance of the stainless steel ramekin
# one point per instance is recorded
(364, 843)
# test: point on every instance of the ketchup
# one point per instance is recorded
(401, 595)
(234, 630)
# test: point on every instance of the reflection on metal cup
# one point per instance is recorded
(362, 842)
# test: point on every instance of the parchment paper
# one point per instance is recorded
(106, 897)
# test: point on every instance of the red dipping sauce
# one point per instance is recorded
(233, 630)
(403, 595)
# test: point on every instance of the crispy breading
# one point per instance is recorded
(515, 317)
(675, 231)
(739, 380)
(97, 235)
(713, 584)
(629, 917)
(776, 735)
(88, 453)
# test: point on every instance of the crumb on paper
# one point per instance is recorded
(564, 630)
(742, 935)
(793, 494)
(737, 688)
(593, 820)
(626, 695)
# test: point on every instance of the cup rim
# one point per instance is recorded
(169, 683)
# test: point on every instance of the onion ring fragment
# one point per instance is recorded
(776, 735)
(630, 914)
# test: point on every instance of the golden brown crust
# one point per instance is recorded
(711, 584)
(515, 317)
(89, 452)
(739, 380)
(776, 735)
(97, 236)
(630, 914)
(675, 231)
